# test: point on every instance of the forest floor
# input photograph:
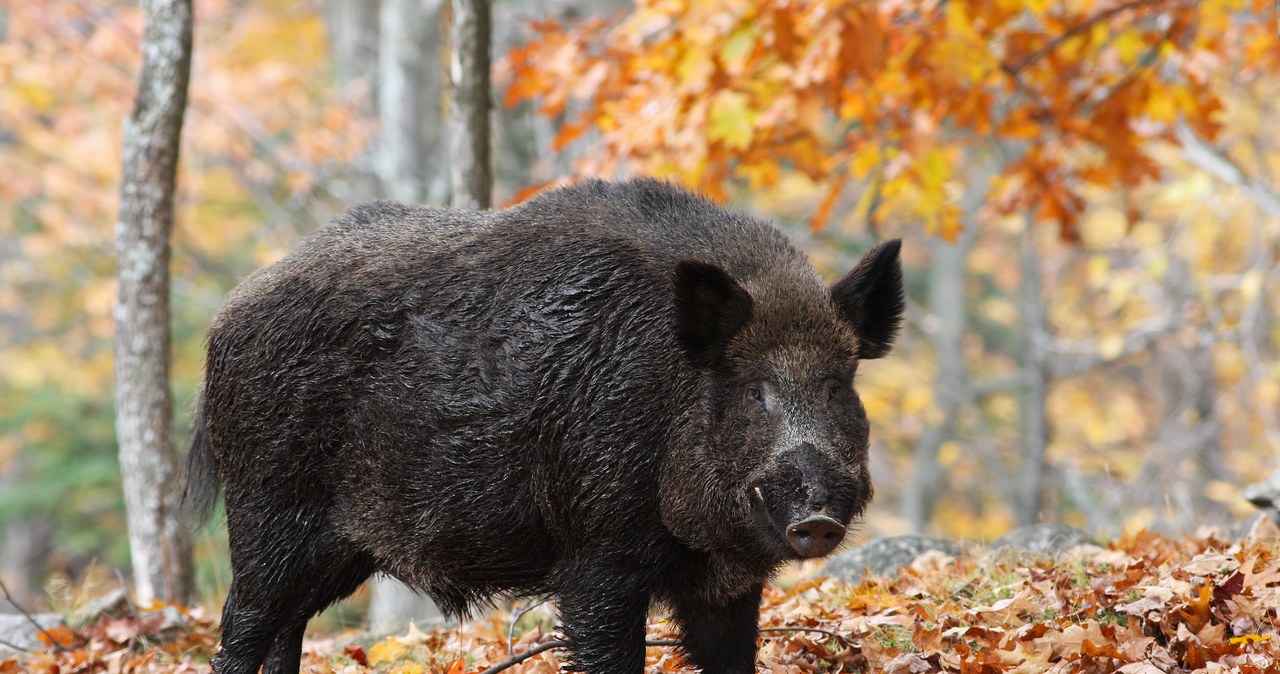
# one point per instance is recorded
(1144, 604)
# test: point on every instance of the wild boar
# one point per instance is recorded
(616, 393)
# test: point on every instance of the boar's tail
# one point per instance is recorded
(201, 492)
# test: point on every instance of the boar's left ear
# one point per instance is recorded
(871, 299)
(710, 309)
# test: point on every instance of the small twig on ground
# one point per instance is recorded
(511, 631)
(557, 643)
(15, 647)
(842, 639)
(517, 659)
(561, 643)
(56, 644)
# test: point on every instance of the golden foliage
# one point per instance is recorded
(885, 95)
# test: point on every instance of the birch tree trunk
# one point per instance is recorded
(409, 99)
(392, 606)
(947, 308)
(471, 185)
(352, 26)
(1037, 375)
(409, 109)
(158, 538)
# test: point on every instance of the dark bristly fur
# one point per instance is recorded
(618, 393)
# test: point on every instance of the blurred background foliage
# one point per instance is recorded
(1085, 190)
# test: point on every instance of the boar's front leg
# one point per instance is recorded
(720, 639)
(605, 621)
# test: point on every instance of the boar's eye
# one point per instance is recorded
(834, 391)
(755, 393)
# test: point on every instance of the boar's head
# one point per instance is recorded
(773, 463)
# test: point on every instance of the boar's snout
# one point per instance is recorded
(807, 498)
(815, 536)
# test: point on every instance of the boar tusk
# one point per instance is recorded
(759, 494)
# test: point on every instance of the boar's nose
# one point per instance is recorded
(815, 536)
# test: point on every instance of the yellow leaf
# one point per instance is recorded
(736, 48)
(1099, 269)
(916, 400)
(387, 651)
(1129, 45)
(1251, 284)
(958, 20)
(1036, 7)
(406, 668)
(934, 169)
(949, 222)
(1111, 346)
(865, 160)
(948, 454)
(1161, 105)
(39, 97)
(732, 121)
(695, 66)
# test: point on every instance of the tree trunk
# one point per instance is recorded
(1035, 365)
(1187, 452)
(409, 98)
(392, 606)
(24, 543)
(158, 538)
(947, 308)
(471, 185)
(353, 44)
(25, 547)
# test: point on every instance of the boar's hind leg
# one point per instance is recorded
(721, 639)
(605, 625)
(276, 588)
(286, 650)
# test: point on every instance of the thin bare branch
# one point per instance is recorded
(57, 644)
(15, 647)
(1087, 24)
(1072, 358)
(532, 651)
(554, 644)
(1220, 166)
(515, 620)
(562, 643)
(838, 637)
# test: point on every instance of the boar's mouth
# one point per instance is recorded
(815, 536)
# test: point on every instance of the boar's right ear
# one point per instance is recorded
(710, 309)
(871, 299)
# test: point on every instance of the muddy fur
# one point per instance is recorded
(617, 393)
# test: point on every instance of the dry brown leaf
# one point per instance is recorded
(1140, 668)
(909, 663)
(1211, 564)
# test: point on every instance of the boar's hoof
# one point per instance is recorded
(815, 536)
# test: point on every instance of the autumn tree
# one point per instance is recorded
(158, 538)
(471, 185)
(887, 109)
(888, 96)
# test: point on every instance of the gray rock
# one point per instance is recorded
(114, 604)
(1266, 496)
(16, 630)
(885, 556)
(1049, 540)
